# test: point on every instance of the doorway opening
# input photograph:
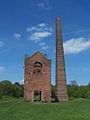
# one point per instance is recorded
(37, 95)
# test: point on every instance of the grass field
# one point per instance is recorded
(16, 109)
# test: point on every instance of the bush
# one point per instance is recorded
(9, 89)
(83, 91)
(0, 96)
(73, 91)
(18, 91)
(78, 91)
(53, 89)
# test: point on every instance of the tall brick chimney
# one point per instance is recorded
(61, 87)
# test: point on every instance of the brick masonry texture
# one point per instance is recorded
(37, 77)
(61, 88)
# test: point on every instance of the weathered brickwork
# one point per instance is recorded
(61, 88)
(37, 77)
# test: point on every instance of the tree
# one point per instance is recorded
(18, 91)
(72, 91)
(9, 89)
(89, 84)
(74, 83)
(16, 83)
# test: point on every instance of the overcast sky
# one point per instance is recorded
(29, 25)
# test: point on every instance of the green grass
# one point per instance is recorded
(16, 109)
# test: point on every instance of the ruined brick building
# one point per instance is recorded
(37, 77)
(37, 73)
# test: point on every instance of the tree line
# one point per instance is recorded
(7, 88)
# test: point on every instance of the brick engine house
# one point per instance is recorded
(37, 77)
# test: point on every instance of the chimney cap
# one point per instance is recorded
(58, 18)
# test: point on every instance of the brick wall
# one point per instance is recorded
(37, 77)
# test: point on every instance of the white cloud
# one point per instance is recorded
(40, 27)
(42, 44)
(21, 81)
(37, 36)
(1, 43)
(76, 45)
(42, 24)
(39, 32)
(45, 47)
(32, 29)
(2, 70)
(45, 5)
(17, 35)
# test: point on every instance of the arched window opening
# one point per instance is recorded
(37, 64)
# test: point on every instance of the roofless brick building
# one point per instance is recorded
(37, 73)
(37, 77)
